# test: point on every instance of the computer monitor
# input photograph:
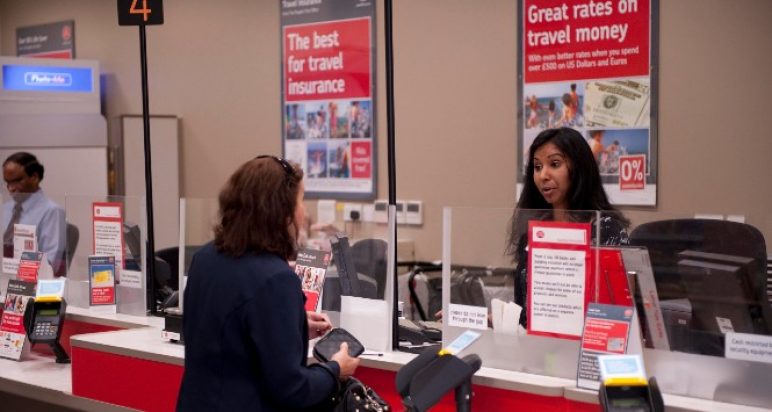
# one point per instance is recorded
(724, 292)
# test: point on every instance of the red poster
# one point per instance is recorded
(585, 40)
(632, 172)
(329, 60)
(606, 331)
(12, 321)
(312, 299)
(590, 65)
(328, 99)
(613, 288)
(103, 296)
(605, 335)
(29, 266)
(361, 160)
(12, 333)
(107, 223)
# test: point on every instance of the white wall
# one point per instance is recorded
(455, 74)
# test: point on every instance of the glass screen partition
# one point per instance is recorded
(119, 223)
(366, 310)
(485, 268)
(198, 217)
(701, 292)
(369, 247)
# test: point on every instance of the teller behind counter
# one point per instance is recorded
(23, 174)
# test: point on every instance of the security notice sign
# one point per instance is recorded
(328, 60)
(590, 65)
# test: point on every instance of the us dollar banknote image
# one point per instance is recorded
(617, 103)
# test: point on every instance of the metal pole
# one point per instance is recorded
(391, 149)
(150, 249)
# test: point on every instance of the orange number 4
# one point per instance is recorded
(144, 11)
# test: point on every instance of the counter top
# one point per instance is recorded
(496, 378)
(142, 340)
(39, 377)
(143, 343)
(118, 320)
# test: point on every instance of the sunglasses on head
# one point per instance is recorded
(284, 164)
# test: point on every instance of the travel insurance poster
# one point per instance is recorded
(328, 95)
(590, 65)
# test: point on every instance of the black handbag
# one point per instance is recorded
(354, 396)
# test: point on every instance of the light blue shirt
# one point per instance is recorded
(47, 217)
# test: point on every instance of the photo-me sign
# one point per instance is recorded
(47, 78)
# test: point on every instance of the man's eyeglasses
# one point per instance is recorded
(284, 164)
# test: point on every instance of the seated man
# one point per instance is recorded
(22, 173)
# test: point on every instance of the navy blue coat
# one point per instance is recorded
(246, 338)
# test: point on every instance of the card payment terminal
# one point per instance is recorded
(43, 322)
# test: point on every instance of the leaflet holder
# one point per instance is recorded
(43, 322)
(424, 381)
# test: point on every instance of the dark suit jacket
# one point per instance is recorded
(246, 338)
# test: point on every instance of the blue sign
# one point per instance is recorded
(47, 78)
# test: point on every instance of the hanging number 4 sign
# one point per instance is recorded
(632, 172)
(140, 12)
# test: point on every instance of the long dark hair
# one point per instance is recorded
(257, 209)
(585, 192)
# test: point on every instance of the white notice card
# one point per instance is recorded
(557, 290)
(467, 316)
(557, 272)
(108, 232)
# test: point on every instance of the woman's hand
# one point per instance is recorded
(438, 316)
(347, 364)
(318, 324)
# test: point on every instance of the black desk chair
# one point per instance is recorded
(466, 288)
(73, 236)
(171, 257)
(677, 281)
(665, 238)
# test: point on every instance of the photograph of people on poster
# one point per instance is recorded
(338, 153)
(608, 145)
(554, 105)
(295, 126)
(316, 121)
(360, 119)
(317, 160)
(340, 122)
